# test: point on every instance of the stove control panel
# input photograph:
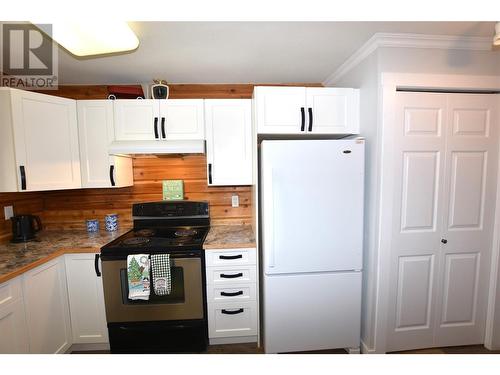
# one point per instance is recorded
(178, 209)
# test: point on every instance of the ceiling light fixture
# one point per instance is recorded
(93, 38)
(496, 38)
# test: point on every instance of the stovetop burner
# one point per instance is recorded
(135, 241)
(145, 233)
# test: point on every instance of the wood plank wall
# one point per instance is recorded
(67, 209)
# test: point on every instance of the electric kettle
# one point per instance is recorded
(24, 227)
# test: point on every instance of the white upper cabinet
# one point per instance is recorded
(136, 119)
(332, 110)
(182, 119)
(229, 141)
(96, 132)
(280, 110)
(306, 110)
(152, 119)
(39, 142)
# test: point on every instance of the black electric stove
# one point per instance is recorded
(163, 324)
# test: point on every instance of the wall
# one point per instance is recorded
(365, 77)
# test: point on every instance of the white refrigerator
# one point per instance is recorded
(312, 194)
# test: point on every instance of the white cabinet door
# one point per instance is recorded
(96, 132)
(182, 119)
(46, 140)
(47, 310)
(86, 300)
(14, 334)
(332, 110)
(136, 119)
(13, 337)
(229, 137)
(280, 110)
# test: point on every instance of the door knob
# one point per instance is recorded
(444, 240)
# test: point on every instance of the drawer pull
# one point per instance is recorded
(232, 312)
(232, 276)
(231, 294)
(230, 257)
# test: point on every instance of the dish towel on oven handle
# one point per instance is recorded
(160, 266)
(138, 277)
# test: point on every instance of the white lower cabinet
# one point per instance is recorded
(13, 332)
(47, 310)
(86, 300)
(232, 295)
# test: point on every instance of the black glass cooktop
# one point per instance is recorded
(158, 240)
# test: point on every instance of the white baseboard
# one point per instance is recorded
(366, 350)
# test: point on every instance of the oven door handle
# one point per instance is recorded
(96, 265)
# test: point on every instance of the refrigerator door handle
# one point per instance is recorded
(269, 217)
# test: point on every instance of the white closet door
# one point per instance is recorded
(468, 215)
(418, 183)
(445, 182)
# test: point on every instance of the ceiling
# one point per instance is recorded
(241, 52)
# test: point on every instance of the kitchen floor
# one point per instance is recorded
(252, 349)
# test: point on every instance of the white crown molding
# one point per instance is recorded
(408, 41)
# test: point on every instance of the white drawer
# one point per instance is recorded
(10, 291)
(232, 319)
(230, 257)
(233, 293)
(230, 275)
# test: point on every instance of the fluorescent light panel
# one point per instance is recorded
(93, 37)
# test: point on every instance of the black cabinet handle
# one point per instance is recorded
(96, 265)
(112, 175)
(444, 240)
(163, 134)
(23, 177)
(229, 257)
(156, 128)
(231, 294)
(232, 276)
(310, 110)
(232, 312)
(303, 119)
(210, 173)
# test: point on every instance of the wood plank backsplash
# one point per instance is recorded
(69, 209)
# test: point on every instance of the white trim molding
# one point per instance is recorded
(408, 41)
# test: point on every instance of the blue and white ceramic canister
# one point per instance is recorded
(111, 222)
(92, 225)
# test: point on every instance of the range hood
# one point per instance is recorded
(156, 147)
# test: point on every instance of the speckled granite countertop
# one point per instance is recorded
(229, 237)
(17, 258)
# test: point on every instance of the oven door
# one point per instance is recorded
(185, 301)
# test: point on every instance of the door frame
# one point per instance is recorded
(388, 83)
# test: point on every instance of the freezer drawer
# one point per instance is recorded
(313, 311)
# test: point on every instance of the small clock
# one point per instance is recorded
(159, 90)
